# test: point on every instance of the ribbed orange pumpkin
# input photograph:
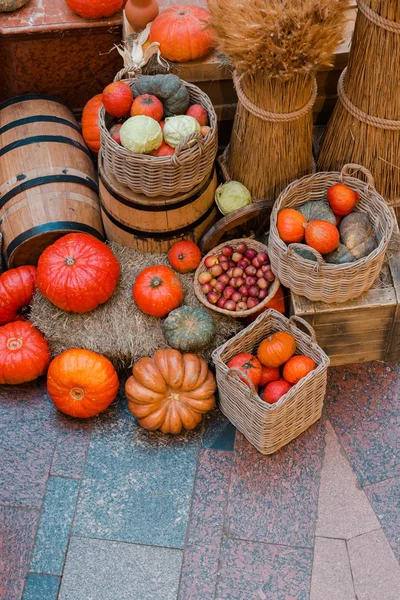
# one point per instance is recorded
(90, 123)
(95, 9)
(322, 236)
(290, 225)
(117, 98)
(298, 367)
(77, 273)
(183, 32)
(24, 353)
(82, 383)
(17, 287)
(276, 349)
(170, 391)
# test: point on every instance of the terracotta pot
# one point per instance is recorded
(140, 12)
(10, 5)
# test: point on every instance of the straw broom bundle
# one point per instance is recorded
(370, 87)
(275, 47)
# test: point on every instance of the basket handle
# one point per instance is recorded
(292, 247)
(351, 169)
(176, 157)
(243, 376)
(310, 330)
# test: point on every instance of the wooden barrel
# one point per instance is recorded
(48, 183)
(154, 224)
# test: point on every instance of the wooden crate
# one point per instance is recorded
(364, 329)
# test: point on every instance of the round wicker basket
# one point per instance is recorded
(243, 313)
(320, 281)
(163, 175)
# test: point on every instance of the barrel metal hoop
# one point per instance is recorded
(33, 96)
(162, 235)
(44, 138)
(39, 119)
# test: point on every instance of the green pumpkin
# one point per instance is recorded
(306, 254)
(169, 89)
(317, 210)
(189, 329)
(339, 256)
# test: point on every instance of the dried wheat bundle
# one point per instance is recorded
(275, 46)
(369, 88)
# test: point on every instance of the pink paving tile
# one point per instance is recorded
(17, 534)
(253, 571)
(363, 403)
(202, 548)
(274, 498)
(385, 500)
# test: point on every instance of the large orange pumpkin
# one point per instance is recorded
(95, 9)
(322, 236)
(276, 349)
(77, 273)
(117, 98)
(90, 123)
(24, 353)
(81, 383)
(184, 256)
(298, 367)
(290, 225)
(157, 291)
(17, 287)
(170, 391)
(183, 32)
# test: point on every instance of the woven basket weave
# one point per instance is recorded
(270, 426)
(163, 175)
(320, 281)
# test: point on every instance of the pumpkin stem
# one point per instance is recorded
(69, 261)
(77, 393)
(156, 282)
(14, 343)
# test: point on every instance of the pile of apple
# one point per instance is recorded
(237, 279)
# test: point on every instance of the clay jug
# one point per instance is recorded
(140, 12)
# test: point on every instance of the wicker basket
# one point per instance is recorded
(319, 281)
(243, 313)
(163, 175)
(270, 426)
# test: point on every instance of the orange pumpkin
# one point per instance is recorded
(90, 123)
(17, 287)
(184, 256)
(290, 225)
(249, 364)
(183, 32)
(275, 390)
(298, 367)
(95, 9)
(322, 236)
(269, 374)
(147, 105)
(163, 150)
(199, 113)
(342, 199)
(276, 349)
(117, 98)
(170, 391)
(24, 353)
(81, 383)
(157, 291)
(77, 273)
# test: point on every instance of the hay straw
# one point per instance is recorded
(118, 329)
(276, 45)
(372, 84)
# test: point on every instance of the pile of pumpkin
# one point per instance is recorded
(170, 391)
(332, 228)
(153, 115)
(275, 369)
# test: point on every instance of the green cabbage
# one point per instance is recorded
(141, 135)
(232, 195)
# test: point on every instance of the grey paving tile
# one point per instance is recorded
(331, 574)
(55, 526)
(219, 433)
(385, 500)
(104, 570)
(41, 587)
(71, 448)
(137, 485)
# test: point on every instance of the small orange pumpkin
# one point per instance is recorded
(17, 287)
(322, 236)
(117, 98)
(184, 256)
(170, 391)
(157, 291)
(275, 390)
(163, 150)
(269, 374)
(24, 353)
(90, 123)
(149, 106)
(81, 383)
(276, 349)
(298, 367)
(290, 225)
(249, 364)
(199, 113)
(342, 199)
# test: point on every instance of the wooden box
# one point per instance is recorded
(364, 329)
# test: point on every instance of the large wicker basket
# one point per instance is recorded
(270, 426)
(164, 175)
(320, 281)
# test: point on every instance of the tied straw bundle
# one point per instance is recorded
(275, 47)
(365, 125)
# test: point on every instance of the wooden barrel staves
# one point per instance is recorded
(154, 224)
(48, 183)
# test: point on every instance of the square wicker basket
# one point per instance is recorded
(270, 426)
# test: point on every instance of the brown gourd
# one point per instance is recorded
(357, 234)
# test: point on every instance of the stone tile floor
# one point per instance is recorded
(102, 510)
